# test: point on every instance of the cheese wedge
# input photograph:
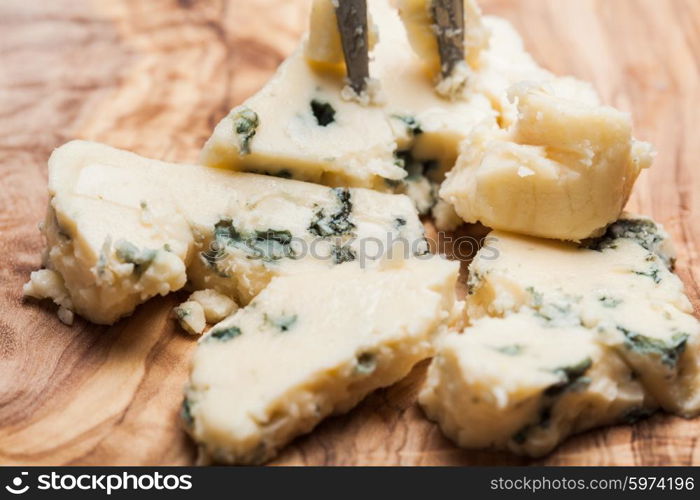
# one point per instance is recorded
(312, 345)
(305, 129)
(536, 305)
(299, 126)
(619, 285)
(564, 170)
(121, 228)
(518, 384)
(303, 126)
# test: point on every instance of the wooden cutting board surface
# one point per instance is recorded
(155, 77)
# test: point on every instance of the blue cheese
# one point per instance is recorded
(617, 285)
(122, 228)
(305, 129)
(191, 317)
(564, 169)
(614, 295)
(519, 384)
(312, 345)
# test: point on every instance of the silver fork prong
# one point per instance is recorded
(354, 35)
(449, 19)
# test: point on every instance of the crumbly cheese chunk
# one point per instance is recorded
(47, 284)
(190, 315)
(122, 228)
(612, 299)
(216, 306)
(564, 170)
(518, 384)
(618, 285)
(303, 128)
(445, 217)
(633, 256)
(309, 346)
(65, 315)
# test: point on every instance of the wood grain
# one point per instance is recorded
(155, 77)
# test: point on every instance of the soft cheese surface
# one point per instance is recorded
(122, 228)
(618, 285)
(614, 294)
(540, 155)
(357, 146)
(311, 345)
(519, 384)
(308, 131)
(563, 170)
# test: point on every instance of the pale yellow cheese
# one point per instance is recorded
(564, 170)
(48, 284)
(122, 228)
(503, 64)
(190, 315)
(445, 217)
(609, 312)
(84, 236)
(357, 148)
(516, 384)
(495, 57)
(324, 45)
(312, 345)
(216, 306)
(410, 94)
(354, 149)
(624, 291)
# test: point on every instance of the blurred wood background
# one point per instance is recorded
(155, 77)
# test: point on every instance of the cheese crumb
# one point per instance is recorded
(524, 172)
(372, 95)
(446, 219)
(47, 284)
(65, 315)
(190, 315)
(216, 306)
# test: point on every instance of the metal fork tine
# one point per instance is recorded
(354, 35)
(449, 17)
